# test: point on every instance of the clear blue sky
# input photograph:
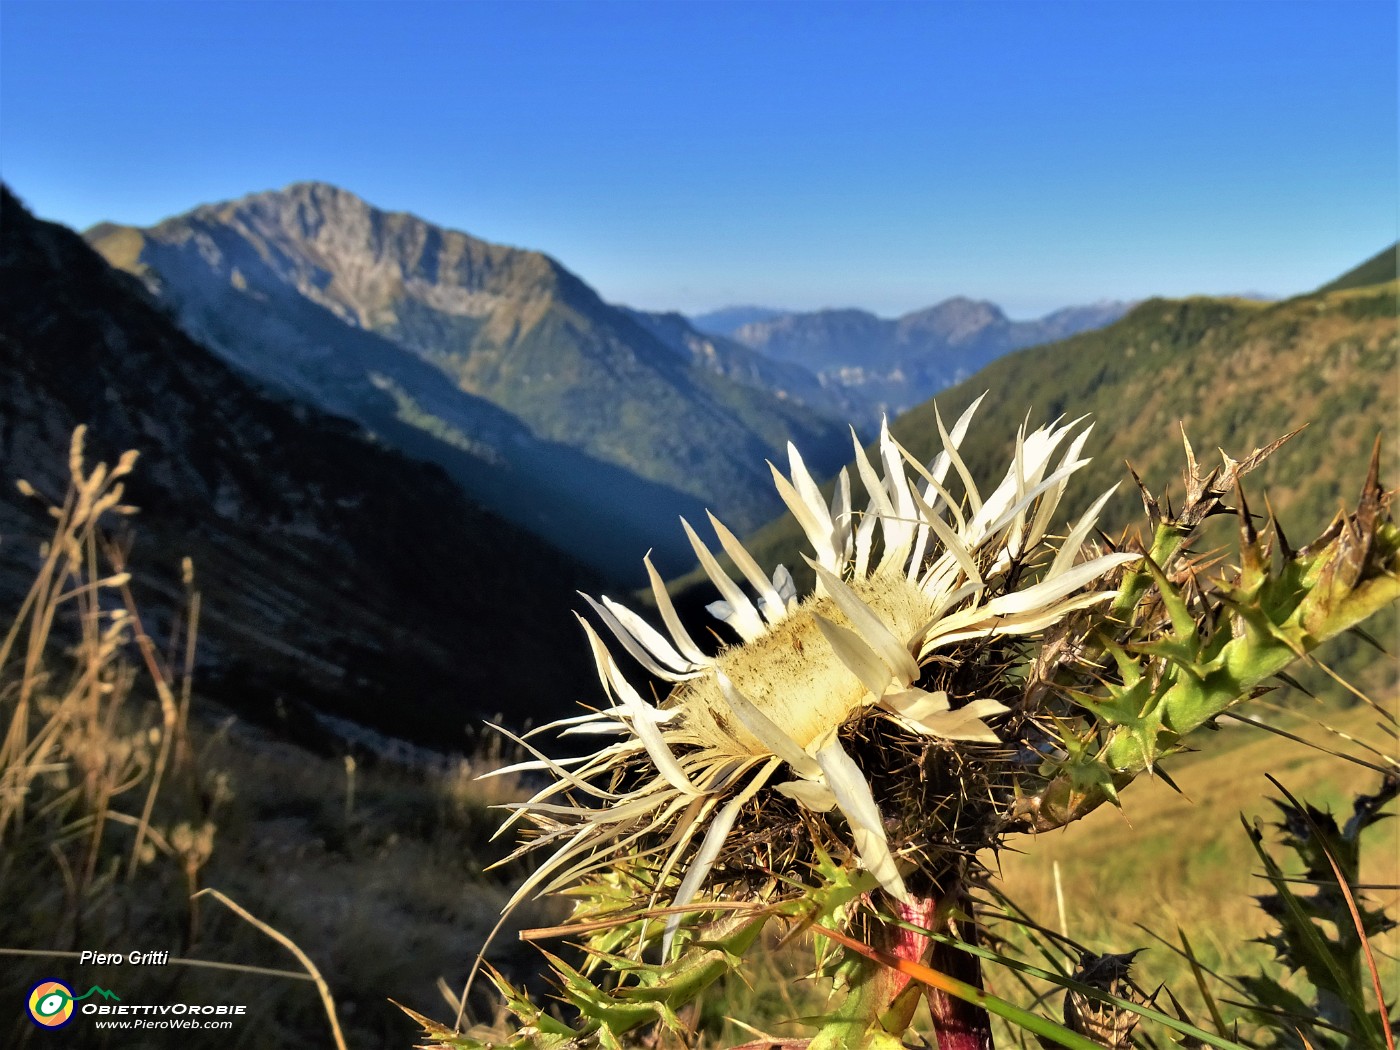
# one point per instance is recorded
(693, 155)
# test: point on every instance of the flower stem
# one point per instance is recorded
(903, 942)
(957, 1023)
(883, 997)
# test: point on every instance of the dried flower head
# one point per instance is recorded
(828, 721)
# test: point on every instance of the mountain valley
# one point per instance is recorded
(368, 337)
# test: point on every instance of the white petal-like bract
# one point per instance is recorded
(899, 588)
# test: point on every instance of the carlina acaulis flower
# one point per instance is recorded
(810, 720)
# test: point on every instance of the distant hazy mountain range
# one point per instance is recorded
(336, 574)
(892, 365)
(571, 417)
(729, 319)
(1236, 372)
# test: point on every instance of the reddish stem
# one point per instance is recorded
(889, 995)
(904, 943)
(958, 1025)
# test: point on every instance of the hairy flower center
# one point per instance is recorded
(792, 675)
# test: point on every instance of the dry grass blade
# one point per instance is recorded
(1268, 728)
(1198, 973)
(570, 929)
(169, 710)
(1380, 709)
(281, 938)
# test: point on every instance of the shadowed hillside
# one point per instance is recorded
(336, 574)
(1378, 269)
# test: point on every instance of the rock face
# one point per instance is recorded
(334, 572)
(596, 433)
(891, 365)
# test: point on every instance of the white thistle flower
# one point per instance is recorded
(765, 715)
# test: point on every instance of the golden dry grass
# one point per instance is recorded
(1173, 861)
(122, 797)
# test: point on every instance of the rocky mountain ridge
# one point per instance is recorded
(495, 362)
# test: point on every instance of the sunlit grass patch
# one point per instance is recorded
(1182, 861)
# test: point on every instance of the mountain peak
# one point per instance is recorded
(359, 261)
(305, 192)
(966, 302)
(588, 405)
(954, 320)
(314, 187)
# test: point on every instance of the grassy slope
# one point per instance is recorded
(1173, 860)
(1378, 269)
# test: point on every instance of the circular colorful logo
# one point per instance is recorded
(51, 1004)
